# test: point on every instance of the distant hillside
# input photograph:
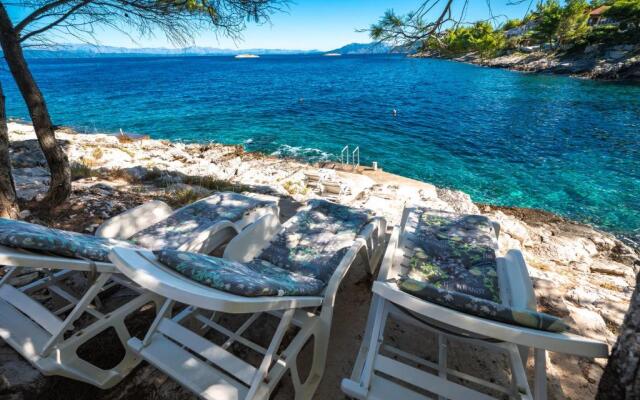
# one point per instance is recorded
(365, 48)
(86, 50)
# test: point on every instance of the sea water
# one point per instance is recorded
(561, 144)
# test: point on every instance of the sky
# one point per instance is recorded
(307, 25)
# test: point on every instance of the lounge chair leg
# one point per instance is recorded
(320, 347)
(540, 391)
(518, 371)
(375, 340)
(261, 373)
(442, 358)
(162, 313)
(76, 312)
(8, 274)
(524, 355)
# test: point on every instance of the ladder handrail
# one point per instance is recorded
(353, 157)
(345, 149)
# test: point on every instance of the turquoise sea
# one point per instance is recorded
(561, 144)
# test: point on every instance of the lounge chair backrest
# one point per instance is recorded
(453, 252)
(186, 224)
(125, 225)
(452, 263)
(42, 239)
(314, 241)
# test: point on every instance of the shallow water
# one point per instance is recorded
(565, 145)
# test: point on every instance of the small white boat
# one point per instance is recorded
(332, 54)
(247, 56)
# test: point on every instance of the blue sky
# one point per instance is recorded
(308, 24)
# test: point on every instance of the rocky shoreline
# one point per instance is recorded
(580, 273)
(615, 63)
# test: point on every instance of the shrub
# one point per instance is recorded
(81, 170)
(183, 197)
(213, 183)
(97, 153)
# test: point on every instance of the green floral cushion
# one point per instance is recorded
(313, 242)
(483, 308)
(187, 223)
(453, 252)
(256, 278)
(39, 238)
(452, 262)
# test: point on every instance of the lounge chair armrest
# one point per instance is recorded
(514, 276)
(386, 267)
(567, 343)
(130, 222)
(248, 243)
(496, 228)
(358, 247)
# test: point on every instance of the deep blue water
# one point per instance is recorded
(556, 143)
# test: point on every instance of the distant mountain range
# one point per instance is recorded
(365, 48)
(88, 51)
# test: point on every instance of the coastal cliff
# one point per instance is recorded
(599, 62)
(581, 274)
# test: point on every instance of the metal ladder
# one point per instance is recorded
(355, 157)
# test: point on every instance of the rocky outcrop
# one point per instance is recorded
(611, 63)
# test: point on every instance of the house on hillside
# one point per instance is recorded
(521, 30)
(596, 16)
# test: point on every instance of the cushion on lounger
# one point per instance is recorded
(483, 308)
(313, 242)
(39, 238)
(256, 278)
(453, 252)
(187, 223)
(453, 264)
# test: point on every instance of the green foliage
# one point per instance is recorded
(213, 183)
(485, 40)
(182, 197)
(558, 23)
(573, 27)
(549, 15)
(625, 11)
(512, 23)
(612, 35)
(479, 37)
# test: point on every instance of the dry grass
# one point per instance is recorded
(213, 183)
(97, 153)
(609, 286)
(183, 197)
(82, 170)
(119, 173)
(295, 187)
(128, 152)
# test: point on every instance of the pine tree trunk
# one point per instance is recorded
(8, 204)
(621, 377)
(60, 186)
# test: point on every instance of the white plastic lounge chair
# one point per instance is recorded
(313, 250)
(316, 179)
(41, 334)
(383, 371)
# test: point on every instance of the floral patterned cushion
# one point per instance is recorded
(39, 238)
(453, 264)
(483, 308)
(313, 242)
(453, 252)
(256, 278)
(187, 223)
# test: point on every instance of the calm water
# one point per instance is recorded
(555, 143)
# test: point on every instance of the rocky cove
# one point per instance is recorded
(580, 273)
(599, 62)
